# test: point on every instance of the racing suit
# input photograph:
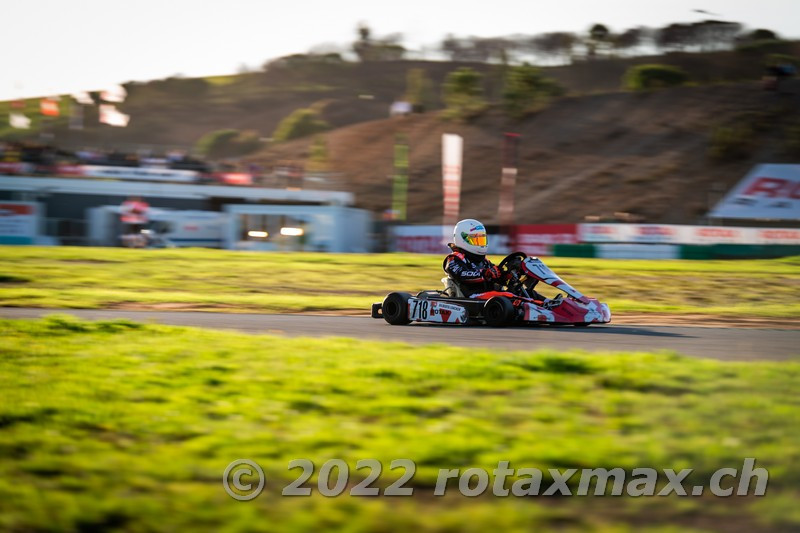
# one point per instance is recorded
(469, 271)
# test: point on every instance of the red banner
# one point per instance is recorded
(538, 239)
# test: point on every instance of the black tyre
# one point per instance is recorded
(395, 308)
(498, 312)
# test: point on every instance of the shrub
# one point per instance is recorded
(762, 47)
(227, 143)
(653, 76)
(419, 91)
(318, 156)
(463, 93)
(782, 59)
(301, 123)
(526, 88)
(731, 142)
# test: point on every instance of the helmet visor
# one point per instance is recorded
(476, 238)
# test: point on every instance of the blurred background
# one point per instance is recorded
(597, 113)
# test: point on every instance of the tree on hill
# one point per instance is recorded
(227, 143)
(557, 45)
(758, 39)
(762, 34)
(463, 93)
(674, 37)
(598, 39)
(714, 34)
(419, 91)
(463, 49)
(369, 49)
(705, 35)
(300, 123)
(629, 40)
(526, 88)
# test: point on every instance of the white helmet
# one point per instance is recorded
(470, 235)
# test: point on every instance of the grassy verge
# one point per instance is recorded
(236, 281)
(119, 425)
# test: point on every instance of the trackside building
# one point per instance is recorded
(46, 210)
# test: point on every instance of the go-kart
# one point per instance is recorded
(512, 302)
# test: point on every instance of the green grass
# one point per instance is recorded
(119, 425)
(239, 281)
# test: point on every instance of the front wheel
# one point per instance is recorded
(498, 312)
(395, 308)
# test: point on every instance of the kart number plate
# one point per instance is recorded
(423, 310)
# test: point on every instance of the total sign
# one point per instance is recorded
(19, 222)
(767, 192)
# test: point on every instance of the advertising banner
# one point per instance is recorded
(676, 234)
(19, 222)
(7, 167)
(776, 236)
(422, 239)
(770, 192)
(538, 239)
(141, 173)
(452, 147)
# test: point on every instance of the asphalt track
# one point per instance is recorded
(709, 342)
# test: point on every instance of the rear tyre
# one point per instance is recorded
(395, 308)
(498, 312)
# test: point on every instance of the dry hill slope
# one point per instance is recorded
(645, 154)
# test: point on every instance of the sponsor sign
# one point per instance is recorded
(767, 192)
(675, 234)
(421, 239)
(140, 173)
(15, 167)
(538, 239)
(777, 236)
(18, 222)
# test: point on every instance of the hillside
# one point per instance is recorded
(595, 152)
(179, 111)
(644, 154)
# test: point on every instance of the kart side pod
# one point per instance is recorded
(400, 308)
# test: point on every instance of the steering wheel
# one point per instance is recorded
(511, 262)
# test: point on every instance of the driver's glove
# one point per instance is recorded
(491, 273)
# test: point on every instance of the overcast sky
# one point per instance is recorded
(58, 46)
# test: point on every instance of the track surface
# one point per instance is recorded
(711, 342)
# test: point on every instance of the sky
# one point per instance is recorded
(61, 46)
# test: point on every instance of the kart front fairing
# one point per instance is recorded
(576, 308)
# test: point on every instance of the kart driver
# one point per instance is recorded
(468, 265)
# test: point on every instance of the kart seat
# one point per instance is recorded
(451, 288)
